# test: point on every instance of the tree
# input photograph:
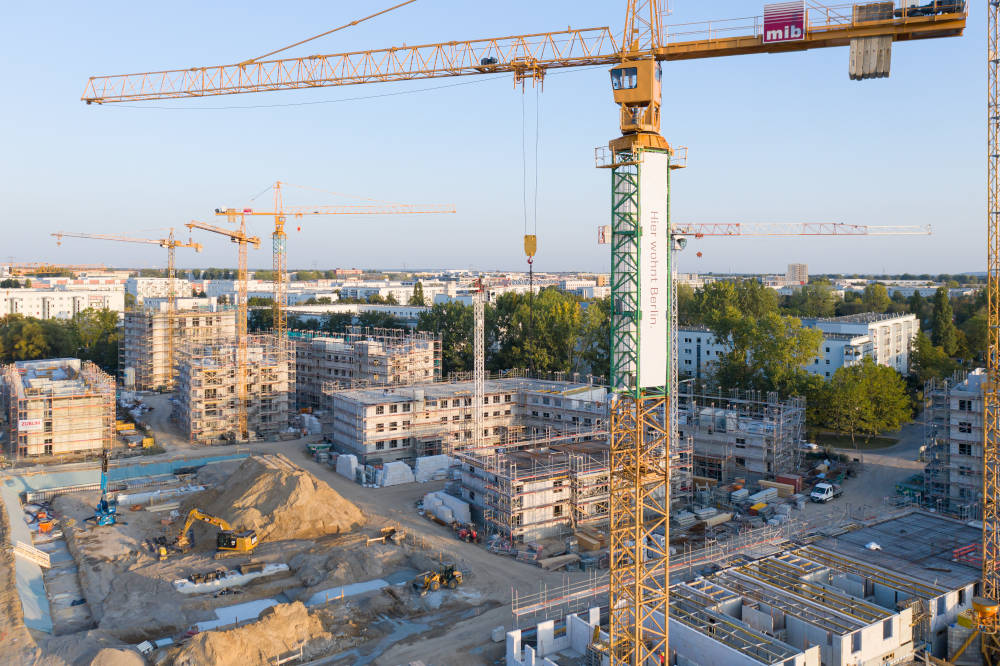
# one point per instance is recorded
(928, 361)
(337, 322)
(453, 323)
(812, 300)
(97, 336)
(418, 295)
(974, 329)
(595, 337)
(374, 319)
(876, 298)
(765, 349)
(943, 331)
(687, 306)
(23, 338)
(538, 333)
(866, 399)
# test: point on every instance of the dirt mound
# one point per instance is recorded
(280, 629)
(143, 608)
(117, 657)
(279, 500)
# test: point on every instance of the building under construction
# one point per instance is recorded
(58, 406)
(953, 441)
(207, 389)
(529, 494)
(381, 425)
(744, 434)
(361, 358)
(145, 341)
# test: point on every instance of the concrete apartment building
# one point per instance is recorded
(57, 406)
(59, 303)
(207, 397)
(377, 357)
(740, 435)
(953, 437)
(887, 339)
(144, 345)
(401, 423)
(408, 314)
(530, 494)
(797, 274)
(834, 602)
(156, 287)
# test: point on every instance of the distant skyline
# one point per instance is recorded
(782, 138)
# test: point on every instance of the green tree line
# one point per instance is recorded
(92, 335)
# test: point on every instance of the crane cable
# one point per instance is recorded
(524, 205)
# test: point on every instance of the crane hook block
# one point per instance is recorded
(530, 244)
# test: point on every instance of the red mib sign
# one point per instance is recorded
(784, 22)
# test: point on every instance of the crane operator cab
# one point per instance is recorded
(636, 87)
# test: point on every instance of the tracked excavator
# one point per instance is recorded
(227, 542)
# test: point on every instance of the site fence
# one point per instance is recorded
(573, 596)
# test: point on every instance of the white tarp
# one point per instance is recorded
(448, 507)
(431, 467)
(347, 464)
(395, 473)
(654, 266)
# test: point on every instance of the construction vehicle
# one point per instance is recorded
(431, 581)
(467, 533)
(227, 542)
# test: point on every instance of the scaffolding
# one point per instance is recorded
(361, 358)
(207, 402)
(58, 407)
(744, 434)
(145, 346)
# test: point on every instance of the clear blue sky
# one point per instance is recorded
(771, 138)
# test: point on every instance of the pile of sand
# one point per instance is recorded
(279, 500)
(280, 629)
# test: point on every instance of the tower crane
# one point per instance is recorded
(279, 239)
(38, 268)
(242, 239)
(987, 605)
(171, 244)
(640, 161)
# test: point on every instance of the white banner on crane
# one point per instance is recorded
(654, 267)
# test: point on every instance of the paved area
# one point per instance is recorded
(872, 491)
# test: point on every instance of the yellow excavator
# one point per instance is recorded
(228, 541)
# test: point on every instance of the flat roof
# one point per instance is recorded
(918, 545)
(440, 390)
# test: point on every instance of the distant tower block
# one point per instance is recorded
(797, 274)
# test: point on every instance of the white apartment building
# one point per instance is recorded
(57, 303)
(156, 287)
(409, 314)
(388, 424)
(891, 336)
(886, 339)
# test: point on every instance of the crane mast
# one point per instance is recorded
(242, 240)
(171, 244)
(987, 606)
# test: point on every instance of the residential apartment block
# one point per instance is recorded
(61, 303)
(398, 423)
(741, 435)
(362, 358)
(886, 339)
(207, 389)
(953, 437)
(145, 343)
(57, 406)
